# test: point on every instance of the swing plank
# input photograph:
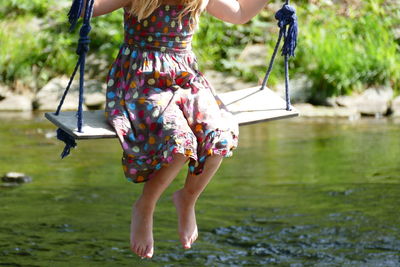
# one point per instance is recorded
(94, 126)
(250, 105)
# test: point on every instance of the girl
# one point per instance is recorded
(164, 111)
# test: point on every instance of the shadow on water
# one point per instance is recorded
(297, 192)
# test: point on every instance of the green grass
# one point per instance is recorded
(342, 54)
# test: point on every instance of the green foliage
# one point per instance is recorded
(12, 8)
(36, 49)
(342, 47)
(228, 41)
(342, 53)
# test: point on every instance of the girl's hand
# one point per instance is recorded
(235, 11)
(102, 7)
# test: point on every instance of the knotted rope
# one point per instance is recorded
(287, 22)
(83, 47)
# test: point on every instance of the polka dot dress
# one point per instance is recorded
(159, 103)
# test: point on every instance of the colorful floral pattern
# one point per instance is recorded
(159, 103)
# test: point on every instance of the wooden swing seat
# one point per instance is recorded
(250, 105)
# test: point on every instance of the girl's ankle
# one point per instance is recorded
(188, 197)
(144, 204)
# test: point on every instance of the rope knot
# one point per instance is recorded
(85, 30)
(286, 16)
(84, 40)
(83, 45)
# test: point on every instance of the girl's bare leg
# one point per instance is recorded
(142, 210)
(185, 200)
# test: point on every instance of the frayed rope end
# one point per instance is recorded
(75, 13)
(286, 16)
(68, 140)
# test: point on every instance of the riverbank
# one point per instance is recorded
(377, 102)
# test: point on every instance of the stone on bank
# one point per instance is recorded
(48, 98)
(371, 102)
(396, 107)
(11, 179)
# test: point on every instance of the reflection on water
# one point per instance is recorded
(297, 192)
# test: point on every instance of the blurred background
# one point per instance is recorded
(319, 190)
(345, 47)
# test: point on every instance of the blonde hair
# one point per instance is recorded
(144, 8)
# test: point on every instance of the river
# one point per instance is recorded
(297, 192)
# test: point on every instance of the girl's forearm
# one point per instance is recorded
(250, 8)
(237, 12)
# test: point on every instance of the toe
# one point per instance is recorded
(137, 250)
(149, 252)
(186, 244)
(133, 248)
(141, 252)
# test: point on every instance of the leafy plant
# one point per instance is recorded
(13, 8)
(341, 54)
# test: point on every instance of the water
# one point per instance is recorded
(297, 192)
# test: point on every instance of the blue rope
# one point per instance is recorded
(67, 89)
(287, 22)
(75, 13)
(83, 47)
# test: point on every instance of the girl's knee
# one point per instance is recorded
(214, 159)
(180, 157)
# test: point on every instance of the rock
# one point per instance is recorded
(95, 94)
(224, 83)
(5, 91)
(375, 101)
(254, 55)
(396, 107)
(345, 100)
(95, 66)
(50, 95)
(16, 103)
(331, 102)
(308, 110)
(95, 100)
(372, 102)
(16, 177)
(299, 89)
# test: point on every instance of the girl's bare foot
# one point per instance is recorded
(187, 226)
(142, 230)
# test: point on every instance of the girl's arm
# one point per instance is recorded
(101, 7)
(235, 11)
